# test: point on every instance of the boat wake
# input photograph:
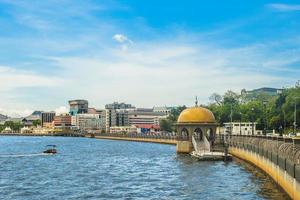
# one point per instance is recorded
(23, 155)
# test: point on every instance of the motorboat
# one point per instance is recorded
(51, 149)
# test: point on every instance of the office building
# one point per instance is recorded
(62, 121)
(145, 116)
(78, 106)
(88, 121)
(47, 118)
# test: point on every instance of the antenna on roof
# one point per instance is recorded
(196, 102)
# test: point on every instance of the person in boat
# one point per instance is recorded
(51, 149)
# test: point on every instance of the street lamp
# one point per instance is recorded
(240, 123)
(230, 119)
(295, 115)
(252, 118)
(265, 118)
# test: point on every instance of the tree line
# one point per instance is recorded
(269, 111)
(17, 125)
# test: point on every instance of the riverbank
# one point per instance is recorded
(152, 140)
(42, 134)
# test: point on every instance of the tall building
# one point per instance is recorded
(78, 106)
(88, 121)
(116, 117)
(117, 105)
(47, 118)
(117, 114)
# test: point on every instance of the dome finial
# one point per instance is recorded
(196, 102)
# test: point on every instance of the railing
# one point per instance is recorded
(284, 152)
(135, 135)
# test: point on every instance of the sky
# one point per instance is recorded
(147, 53)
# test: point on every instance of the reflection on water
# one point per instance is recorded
(103, 169)
(269, 189)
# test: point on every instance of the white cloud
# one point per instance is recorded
(120, 38)
(11, 78)
(61, 110)
(169, 73)
(16, 112)
(285, 7)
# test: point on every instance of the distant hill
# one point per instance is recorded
(3, 117)
(34, 116)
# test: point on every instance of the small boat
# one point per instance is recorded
(51, 149)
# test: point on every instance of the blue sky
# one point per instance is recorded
(142, 52)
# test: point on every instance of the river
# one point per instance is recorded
(103, 169)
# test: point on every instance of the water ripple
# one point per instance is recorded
(102, 169)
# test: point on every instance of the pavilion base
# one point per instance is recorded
(211, 156)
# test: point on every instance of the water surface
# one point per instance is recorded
(105, 169)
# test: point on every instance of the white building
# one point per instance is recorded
(87, 121)
(162, 109)
(241, 128)
(144, 116)
(7, 130)
(123, 129)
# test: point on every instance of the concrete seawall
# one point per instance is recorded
(152, 140)
(282, 178)
(277, 157)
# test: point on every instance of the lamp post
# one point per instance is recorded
(240, 123)
(252, 119)
(295, 116)
(265, 118)
(230, 119)
(280, 130)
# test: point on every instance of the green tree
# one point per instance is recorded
(166, 125)
(36, 122)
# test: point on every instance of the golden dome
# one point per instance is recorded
(196, 115)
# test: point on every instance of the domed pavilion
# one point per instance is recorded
(196, 126)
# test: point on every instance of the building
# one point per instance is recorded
(241, 128)
(147, 128)
(145, 116)
(263, 90)
(88, 121)
(116, 114)
(122, 129)
(25, 130)
(47, 118)
(7, 130)
(63, 121)
(78, 106)
(116, 117)
(163, 109)
(117, 105)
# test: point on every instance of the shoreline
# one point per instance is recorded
(151, 140)
(41, 134)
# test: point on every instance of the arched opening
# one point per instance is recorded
(210, 134)
(184, 134)
(198, 134)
